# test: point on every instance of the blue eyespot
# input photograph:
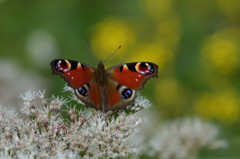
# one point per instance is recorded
(83, 91)
(127, 93)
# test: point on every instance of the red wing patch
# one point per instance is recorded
(133, 75)
(128, 78)
(113, 95)
(75, 73)
(94, 93)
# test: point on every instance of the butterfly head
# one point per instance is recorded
(100, 65)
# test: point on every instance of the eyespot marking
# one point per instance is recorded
(62, 66)
(83, 91)
(144, 68)
(126, 93)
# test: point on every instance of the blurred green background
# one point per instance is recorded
(196, 44)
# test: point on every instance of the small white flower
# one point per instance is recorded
(45, 134)
(140, 103)
(28, 97)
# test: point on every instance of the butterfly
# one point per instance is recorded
(105, 89)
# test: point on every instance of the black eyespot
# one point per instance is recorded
(127, 93)
(83, 91)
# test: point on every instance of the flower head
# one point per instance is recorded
(46, 134)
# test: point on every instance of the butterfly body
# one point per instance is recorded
(111, 89)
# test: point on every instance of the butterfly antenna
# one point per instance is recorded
(87, 46)
(112, 53)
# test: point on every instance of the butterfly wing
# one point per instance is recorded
(125, 80)
(76, 74)
(80, 77)
(134, 75)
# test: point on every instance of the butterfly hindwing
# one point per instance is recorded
(92, 98)
(119, 96)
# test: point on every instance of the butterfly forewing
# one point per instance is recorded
(76, 74)
(134, 75)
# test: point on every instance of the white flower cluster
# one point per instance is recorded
(46, 134)
(184, 138)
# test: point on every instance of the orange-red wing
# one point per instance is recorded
(113, 95)
(94, 93)
(76, 74)
(134, 75)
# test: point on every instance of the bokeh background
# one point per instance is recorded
(196, 45)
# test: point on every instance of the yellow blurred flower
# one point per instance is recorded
(169, 92)
(152, 52)
(109, 34)
(222, 106)
(168, 31)
(221, 50)
(157, 8)
(230, 8)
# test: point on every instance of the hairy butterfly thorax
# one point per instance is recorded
(102, 78)
(111, 89)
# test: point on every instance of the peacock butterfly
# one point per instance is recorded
(111, 89)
